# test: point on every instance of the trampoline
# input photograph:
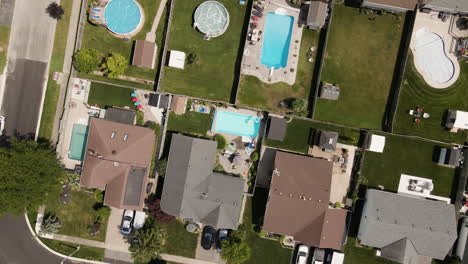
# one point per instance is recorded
(211, 18)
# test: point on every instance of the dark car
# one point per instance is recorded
(208, 237)
(222, 236)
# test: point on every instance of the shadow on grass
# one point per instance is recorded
(353, 3)
(259, 203)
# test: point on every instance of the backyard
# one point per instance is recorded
(213, 71)
(105, 95)
(4, 39)
(408, 156)
(360, 59)
(255, 93)
(362, 255)
(78, 215)
(190, 123)
(416, 92)
(298, 133)
(177, 240)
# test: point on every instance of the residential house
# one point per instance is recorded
(447, 6)
(298, 203)
(194, 192)
(391, 5)
(407, 230)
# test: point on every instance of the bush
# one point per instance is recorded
(191, 58)
(55, 11)
(114, 65)
(154, 209)
(102, 213)
(254, 156)
(161, 167)
(298, 105)
(236, 250)
(51, 224)
(86, 60)
(221, 141)
(99, 196)
(140, 118)
(149, 243)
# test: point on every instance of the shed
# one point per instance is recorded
(177, 59)
(329, 91)
(159, 100)
(317, 14)
(277, 128)
(120, 115)
(178, 104)
(327, 140)
(144, 54)
(457, 120)
(450, 157)
(376, 143)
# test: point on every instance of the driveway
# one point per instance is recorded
(207, 255)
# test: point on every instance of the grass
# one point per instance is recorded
(157, 132)
(255, 93)
(77, 215)
(66, 248)
(4, 39)
(360, 59)
(105, 95)
(408, 156)
(56, 65)
(362, 255)
(178, 241)
(102, 40)
(212, 74)
(115, 81)
(190, 123)
(416, 92)
(298, 132)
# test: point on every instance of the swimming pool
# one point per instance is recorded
(275, 49)
(78, 142)
(235, 124)
(122, 16)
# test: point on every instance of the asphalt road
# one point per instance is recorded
(17, 246)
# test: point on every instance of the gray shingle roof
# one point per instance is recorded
(119, 115)
(447, 5)
(430, 226)
(191, 189)
(277, 128)
(327, 140)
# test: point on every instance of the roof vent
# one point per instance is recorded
(99, 156)
(217, 200)
(113, 134)
(290, 195)
(310, 199)
(114, 152)
(276, 172)
(125, 138)
(280, 193)
(235, 204)
(116, 164)
(319, 201)
(91, 152)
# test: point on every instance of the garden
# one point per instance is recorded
(360, 59)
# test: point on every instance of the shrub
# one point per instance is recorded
(191, 58)
(86, 60)
(221, 141)
(236, 250)
(161, 167)
(140, 118)
(102, 213)
(55, 11)
(149, 243)
(154, 209)
(99, 196)
(51, 224)
(114, 65)
(298, 105)
(254, 156)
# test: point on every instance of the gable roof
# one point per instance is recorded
(277, 128)
(191, 189)
(430, 226)
(144, 54)
(117, 159)
(299, 199)
(327, 140)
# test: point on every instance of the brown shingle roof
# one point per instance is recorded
(299, 199)
(178, 104)
(143, 54)
(406, 4)
(118, 156)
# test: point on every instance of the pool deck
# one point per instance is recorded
(447, 31)
(251, 56)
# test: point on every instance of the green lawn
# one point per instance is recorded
(178, 241)
(4, 39)
(191, 123)
(77, 215)
(100, 39)
(408, 156)
(360, 58)
(105, 95)
(362, 255)
(66, 248)
(115, 81)
(212, 74)
(255, 93)
(298, 132)
(415, 91)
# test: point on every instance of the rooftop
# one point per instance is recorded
(144, 54)
(277, 128)
(120, 115)
(404, 4)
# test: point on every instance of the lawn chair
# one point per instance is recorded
(426, 115)
(411, 112)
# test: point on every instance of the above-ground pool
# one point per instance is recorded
(430, 58)
(78, 142)
(235, 124)
(122, 16)
(211, 18)
(275, 49)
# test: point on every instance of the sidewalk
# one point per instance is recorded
(151, 36)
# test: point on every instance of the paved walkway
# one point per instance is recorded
(151, 36)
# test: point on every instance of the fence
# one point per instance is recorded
(166, 35)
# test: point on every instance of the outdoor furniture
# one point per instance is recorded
(411, 112)
(417, 120)
(426, 115)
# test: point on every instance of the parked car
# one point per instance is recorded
(302, 254)
(127, 222)
(319, 256)
(208, 237)
(222, 236)
(2, 124)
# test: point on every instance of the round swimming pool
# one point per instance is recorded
(123, 16)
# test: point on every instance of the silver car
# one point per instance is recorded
(127, 222)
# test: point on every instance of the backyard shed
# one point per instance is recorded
(329, 91)
(327, 140)
(177, 59)
(450, 157)
(120, 115)
(376, 143)
(159, 100)
(178, 104)
(457, 120)
(144, 54)
(277, 128)
(317, 14)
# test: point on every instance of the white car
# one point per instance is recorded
(2, 124)
(302, 254)
(127, 222)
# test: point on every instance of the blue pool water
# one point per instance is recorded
(78, 141)
(235, 124)
(275, 49)
(122, 16)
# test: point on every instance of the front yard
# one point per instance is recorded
(360, 58)
(177, 240)
(362, 255)
(85, 252)
(105, 95)
(212, 74)
(408, 156)
(255, 93)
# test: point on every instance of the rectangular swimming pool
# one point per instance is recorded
(275, 49)
(78, 142)
(235, 124)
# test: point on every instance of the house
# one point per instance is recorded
(178, 104)
(450, 157)
(298, 203)
(376, 143)
(329, 91)
(117, 159)
(194, 192)
(327, 140)
(144, 54)
(277, 128)
(317, 14)
(391, 5)
(457, 120)
(120, 115)
(459, 7)
(407, 230)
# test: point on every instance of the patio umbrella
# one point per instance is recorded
(255, 18)
(136, 103)
(139, 106)
(134, 99)
(133, 94)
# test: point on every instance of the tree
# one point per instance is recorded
(86, 60)
(221, 141)
(147, 243)
(51, 224)
(235, 250)
(154, 208)
(55, 11)
(114, 65)
(298, 105)
(462, 23)
(29, 170)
